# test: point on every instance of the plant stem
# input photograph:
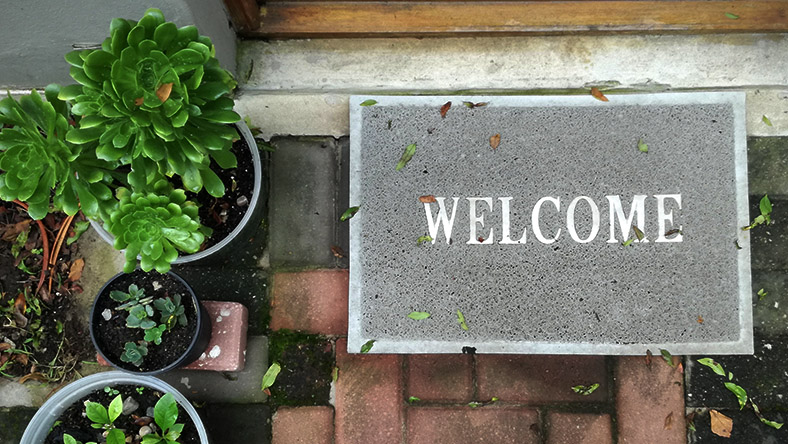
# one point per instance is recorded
(45, 242)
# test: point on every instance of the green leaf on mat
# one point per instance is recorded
(410, 150)
(642, 146)
(368, 102)
(712, 364)
(418, 315)
(423, 239)
(766, 121)
(461, 320)
(667, 357)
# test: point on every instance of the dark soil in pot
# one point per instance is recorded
(74, 422)
(224, 213)
(41, 336)
(111, 335)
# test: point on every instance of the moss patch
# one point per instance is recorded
(307, 362)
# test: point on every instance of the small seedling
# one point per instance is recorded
(110, 391)
(154, 334)
(165, 413)
(134, 353)
(135, 296)
(139, 317)
(765, 217)
(139, 390)
(762, 294)
(68, 439)
(171, 311)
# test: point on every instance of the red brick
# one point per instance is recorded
(579, 428)
(440, 377)
(453, 425)
(539, 379)
(646, 396)
(303, 425)
(310, 301)
(368, 398)
(226, 352)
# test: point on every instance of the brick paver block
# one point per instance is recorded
(440, 377)
(579, 428)
(646, 396)
(481, 425)
(303, 425)
(368, 405)
(311, 301)
(540, 379)
(226, 352)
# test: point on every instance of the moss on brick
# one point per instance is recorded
(306, 361)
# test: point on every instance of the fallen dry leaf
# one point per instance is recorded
(495, 141)
(267, 392)
(34, 376)
(75, 272)
(4, 346)
(598, 94)
(680, 367)
(163, 93)
(700, 319)
(20, 303)
(668, 421)
(338, 251)
(10, 232)
(480, 239)
(139, 101)
(648, 358)
(445, 109)
(21, 358)
(721, 425)
(427, 199)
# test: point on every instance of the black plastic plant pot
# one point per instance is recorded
(47, 415)
(180, 345)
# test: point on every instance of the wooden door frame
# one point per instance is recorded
(279, 19)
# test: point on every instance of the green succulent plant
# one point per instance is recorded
(154, 97)
(152, 225)
(171, 311)
(40, 167)
(135, 296)
(140, 317)
(134, 353)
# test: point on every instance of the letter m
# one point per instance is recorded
(443, 218)
(625, 223)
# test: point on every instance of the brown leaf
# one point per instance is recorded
(445, 109)
(598, 94)
(75, 272)
(427, 199)
(668, 421)
(20, 303)
(338, 251)
(4, 346)
(21, 358)
(10, 232)
(34, 376)
(495, 141)
(163, 93)
(267, 392)
(680, 368)
(648, 358)
(721, 425)
(700, 319)
(139, 101)
(480, 239)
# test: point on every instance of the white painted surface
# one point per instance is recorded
(301, 87)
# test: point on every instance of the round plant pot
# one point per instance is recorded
(252, 212)
(99, 332)
(42, 422)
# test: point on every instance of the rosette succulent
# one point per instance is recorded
(38, 166)
(153, 226)
(154, 97)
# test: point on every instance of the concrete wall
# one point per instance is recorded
(36, 34)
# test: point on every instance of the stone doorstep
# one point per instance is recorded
(226, 352)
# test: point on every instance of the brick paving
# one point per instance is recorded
(311, 301)
(303, 425)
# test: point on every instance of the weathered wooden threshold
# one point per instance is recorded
(317, 19)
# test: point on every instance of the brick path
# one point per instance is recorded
(635, 403)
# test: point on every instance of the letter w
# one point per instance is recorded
(443, 218)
